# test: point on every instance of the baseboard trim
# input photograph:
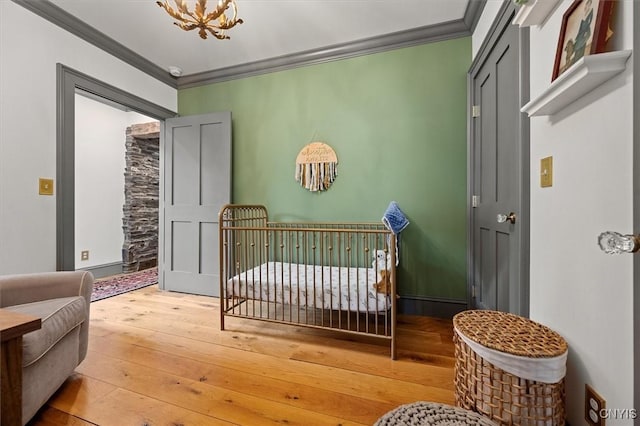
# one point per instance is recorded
(106, 270)
(431, 306)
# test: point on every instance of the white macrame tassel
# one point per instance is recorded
(316, 175)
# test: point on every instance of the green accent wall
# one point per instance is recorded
(397, 121)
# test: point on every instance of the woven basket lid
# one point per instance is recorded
(510, 333)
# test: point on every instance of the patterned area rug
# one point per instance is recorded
(118, 284)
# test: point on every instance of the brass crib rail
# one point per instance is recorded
(324, 258)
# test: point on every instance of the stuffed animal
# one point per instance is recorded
(384, 285)
(381, 261)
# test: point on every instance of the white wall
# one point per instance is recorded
(30, 48)
(489, 13)
(99, 179)
(576, 289)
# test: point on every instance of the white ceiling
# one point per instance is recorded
(271, 28)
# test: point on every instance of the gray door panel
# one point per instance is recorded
(197, 183)
(496, 247)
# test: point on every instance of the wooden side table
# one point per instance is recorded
(13, 326)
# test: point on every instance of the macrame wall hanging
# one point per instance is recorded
(316, 166)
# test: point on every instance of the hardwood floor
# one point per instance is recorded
(159, 358)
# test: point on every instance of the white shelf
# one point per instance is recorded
(535, 12)
(582, 77)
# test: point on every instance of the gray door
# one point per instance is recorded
(498, 179)
(196, 184)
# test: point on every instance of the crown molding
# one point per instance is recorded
(440, 32)
(445, 31)
(473, 13)
(58, 16)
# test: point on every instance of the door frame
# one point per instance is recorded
(636, 213)
(68, 80)
(503, 19)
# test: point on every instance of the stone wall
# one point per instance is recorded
(141, 190)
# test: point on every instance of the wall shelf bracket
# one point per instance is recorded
(534, 12)
(581, 78)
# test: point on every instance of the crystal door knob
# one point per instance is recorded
(614, 243)
(511, 217)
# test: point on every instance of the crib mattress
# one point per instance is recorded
(327, 287)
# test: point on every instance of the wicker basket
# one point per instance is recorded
(505, 397)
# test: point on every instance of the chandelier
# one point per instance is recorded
(215, 22)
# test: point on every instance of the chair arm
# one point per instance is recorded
(27, 288)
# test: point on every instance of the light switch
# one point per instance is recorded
(46, 186)
(546, 172)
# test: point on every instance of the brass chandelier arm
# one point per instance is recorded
(218, 12)
(215, 22)
(186, 26)
(201, 7)
(169, 10)
(214, 33)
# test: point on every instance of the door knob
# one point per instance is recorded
(615, 243)
(502, 218)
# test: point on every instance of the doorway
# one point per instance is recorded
(498, 152)
(116, 187)
(141, 197)
(68, 82)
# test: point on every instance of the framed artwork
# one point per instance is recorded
(584, 31)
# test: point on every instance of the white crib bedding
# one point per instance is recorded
(338, 288)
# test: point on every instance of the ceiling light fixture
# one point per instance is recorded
(216, 22)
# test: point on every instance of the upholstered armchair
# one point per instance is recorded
(50, 354)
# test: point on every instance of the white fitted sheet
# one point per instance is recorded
(327, 287)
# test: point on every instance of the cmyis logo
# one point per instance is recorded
(618, 413)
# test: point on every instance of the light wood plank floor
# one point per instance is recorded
(159, 358)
